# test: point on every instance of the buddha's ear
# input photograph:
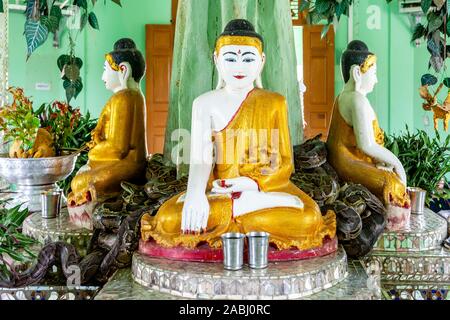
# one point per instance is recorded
(125, 72)
(263, 59)
(356, 73)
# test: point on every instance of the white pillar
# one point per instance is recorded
(4, 54)
(3, 75)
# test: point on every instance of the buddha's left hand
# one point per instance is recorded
(240, 184)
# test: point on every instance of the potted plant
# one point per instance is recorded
(426, 161)
(41, 145)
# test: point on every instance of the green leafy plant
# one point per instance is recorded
(18, 121)
(44, 17)
(426, 160)
(78, 138)
(61, 120)
(14, 246)
(70, 67)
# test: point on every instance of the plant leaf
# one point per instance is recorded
(419, 31)
(117, 2)
(35, 34)
(426, 4)
(434, 22)
(428, 79)
(93, 21)
(1, 7)
(324, 32)
(83, 21)
(51, 22)
(32, 11)
(437, 63)
(81, 3)
(322, 6)
(304, 5)
(56, 12)
(73, 88)
(447, 82)
(62, 61)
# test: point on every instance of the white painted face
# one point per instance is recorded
(369, 79)
(239, 66)
(111, 78)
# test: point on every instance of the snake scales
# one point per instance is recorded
(360, 214)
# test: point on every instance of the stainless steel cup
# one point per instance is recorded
(258, 250)
(51, 204)
(233, 250)
(417, 196)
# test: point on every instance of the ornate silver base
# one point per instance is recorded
(58, 229)
(356, 286)
(424, 232)
(284, 280)
(412, 267)
(49, 293)
(411, 262)
(395, 291)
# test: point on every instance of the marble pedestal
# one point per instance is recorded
(58, 229)
(281, 280)
(412, 262)
(356, 286)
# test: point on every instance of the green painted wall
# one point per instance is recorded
(115, 23)
(40, 68)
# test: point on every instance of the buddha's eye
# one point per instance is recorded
(230, 60)
(248, 60)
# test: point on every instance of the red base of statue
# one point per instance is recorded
(206, 254)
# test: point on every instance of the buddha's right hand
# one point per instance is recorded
(195, 213)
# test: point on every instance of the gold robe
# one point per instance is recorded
(288, 227)
(117, 150)
(352, 165)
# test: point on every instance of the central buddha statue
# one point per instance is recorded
(240, 162)
(356, 143)
(117, 149)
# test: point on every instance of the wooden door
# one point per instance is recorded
(159, 52)
(318, 66)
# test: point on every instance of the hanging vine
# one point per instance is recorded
(44, 17)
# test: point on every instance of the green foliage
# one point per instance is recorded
(17, 120)
(13, 243)
(36, 34)
(426, 160)
(1, 6)
(93, 21)
(70, 66)
(60, 120)
(79, 137)
(44, 17)
(70, 130)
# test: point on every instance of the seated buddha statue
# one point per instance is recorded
(355, 141)
(117, 149)
(240, 162)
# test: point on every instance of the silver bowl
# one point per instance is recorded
(40, 171)
(33, 176)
